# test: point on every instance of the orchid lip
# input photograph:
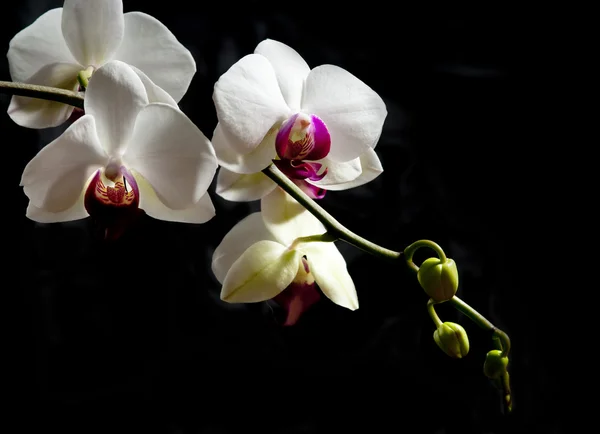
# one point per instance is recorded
(299, 296)
(124, 192)
(312, 191)
(301, 169)
(112, 203)
(303, 137)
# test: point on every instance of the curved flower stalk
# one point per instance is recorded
(64, 46)
(264, 257)
(122, 155)
(320, 126)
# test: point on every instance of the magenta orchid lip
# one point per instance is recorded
(112, 207)
(123, 194)
(301, 140)
(303, 137)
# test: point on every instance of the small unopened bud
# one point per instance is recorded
(438, 279)
(495, 364)
(452, 339)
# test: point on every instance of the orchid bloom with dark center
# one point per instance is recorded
(320, 126)
(124, 154)
(261, 259)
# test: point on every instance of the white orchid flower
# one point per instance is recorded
(79, 38)
(259, 260)
(123, 154)
(321, 125)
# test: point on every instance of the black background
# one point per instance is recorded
(132, 337)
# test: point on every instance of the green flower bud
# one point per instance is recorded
(452, 339)
(495, 365)
(438, 279)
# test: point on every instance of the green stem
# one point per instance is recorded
(504, 341)
(507, 393)
(334, 227)
(327, 237)
(410, 251)
(42, 92)
(472, 314)
(482, 322)
(337, 230)
(434, 316)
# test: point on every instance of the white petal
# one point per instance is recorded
(75, 212)
(93, 30)
(329, 269)
(54, 179)
(370, 169)
(290, 68)
(353, 112)
(249, 102)
(154, 92)
(338, 173)
(38, 45)
(264, 270)
(286, 219)
(238, 187)
(41, 113)
(114, 97)
(172, 154)
(246, 232)
(201, 212)
(252, 162)
(150, 46)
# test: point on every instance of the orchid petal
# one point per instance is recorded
(310, 190)
(40, 113)
(246, 232)
(93, 30)
(55, 178)
(172, 154)
(249, 102)
(338, 173)
(155, 93)
(370, 169)
(353, 112)
(252, 162)
(75, 212)
(298, 170)
(286, 219)
(290, 68)
(114, 97)
(201, 212)
(38, 45)
(331, 274)
(238, 187)
(150, 46)
(264, 270)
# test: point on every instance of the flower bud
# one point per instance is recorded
(495, 364)
(438, 279)
(452, 339)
